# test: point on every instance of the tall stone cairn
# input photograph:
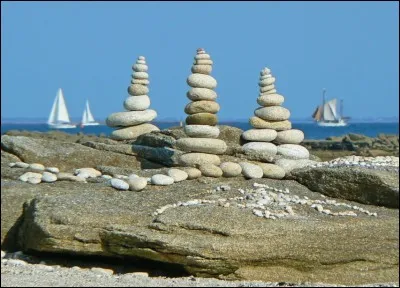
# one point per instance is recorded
(272, 136)
(133, 123)
(203, 147)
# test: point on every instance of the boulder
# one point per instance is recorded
(165, 156)
(368, 186)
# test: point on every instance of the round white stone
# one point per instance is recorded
(160, 179)
(36, 166)
(263, 135)
(53, 169)
(266, 100)
(49, 177)
(202, 69)
(293, 151)
(230, 169)
(273, 113)
(201, 81)
(177, 175)
(201, 131)
(292, 136)
(260, 148)
(144, 82)
(24, 177)
(204, 145)
(210, 170)
(267, 89)
(197, 94)
(193, 173)
(140, 67)
(130, 118)
(267, 81)
(141, 58)
(265, 71)
(203, 62)
(250, 170)
(133, 132)
(193, 159)
(265, 76)
(272, 171)
(141, 61)
(119, 184)
(90, 172)
(141, 75)
(202, 56)
(34, 180)
(138, 89)
(137, 103)
(137, 183)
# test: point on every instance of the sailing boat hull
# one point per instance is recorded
(332, 124)
(61, 126)
(90, 124)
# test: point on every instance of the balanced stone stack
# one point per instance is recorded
(133, 123)
(272, 136)
(202, 119)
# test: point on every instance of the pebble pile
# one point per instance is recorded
(271, 134)
(203, 147)
(273, 203)
(134, 122)
(379, 162)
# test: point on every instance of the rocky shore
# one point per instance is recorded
(330, 221)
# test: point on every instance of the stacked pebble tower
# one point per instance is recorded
(202, 119)
(133, 123)
(272, 137)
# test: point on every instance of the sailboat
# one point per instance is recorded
(87, 117)
(327, 115)
(59, 118)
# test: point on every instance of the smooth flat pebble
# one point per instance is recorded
(37, 166)
(202, 56)
(264, 148)
(203, 145)
(140, 81)
(177, 174)
(53, 169)
(160, 179)
(267, 89)
(203, 62)
(270, 100)
(193, 173)
(34, 180)
(292, 136)
(133, 132)
(201, 131)
(293, 151)
(140, 67)
(266, 81)
(263, 135)
(272, 171)
(272, 113)
(119, 184)
(24, 177)
(141, 75)
(197, 94)
(137, 183)
(137, 103)
(198, 80)
(91, 172)
(230, 169)
(193, 159)
(69, 177)
(138, 89)
(202, 69)
(21, 165)
(202, 106)
(259, 123)
(49, 177)
(202, 119)
(210, 170)
(130, 118)
(251, 171)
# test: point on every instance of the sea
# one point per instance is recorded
(310, 129)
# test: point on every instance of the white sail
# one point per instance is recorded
(59, 113)
(330, 110)
(87, 117)
(84, 117)
(90, 117)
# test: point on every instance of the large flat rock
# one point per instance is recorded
(368, 186)
(209, 239)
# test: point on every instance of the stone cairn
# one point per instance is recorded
(203, 147)
(272, 136)
(133, 123)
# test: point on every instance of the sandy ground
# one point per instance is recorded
(15, 272)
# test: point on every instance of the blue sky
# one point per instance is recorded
(88, 48)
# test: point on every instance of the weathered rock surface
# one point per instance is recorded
(289, 164)
(64, 155)
(207, 240)
(165, 156)
(366, 186)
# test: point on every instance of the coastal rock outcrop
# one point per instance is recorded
(133, 123)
